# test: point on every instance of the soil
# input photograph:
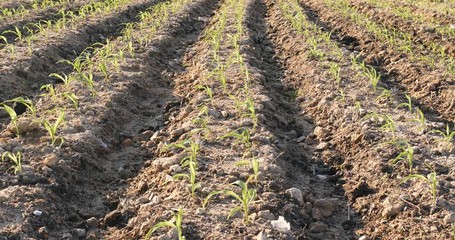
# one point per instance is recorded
(326, 162)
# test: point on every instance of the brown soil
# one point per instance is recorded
(325, 165)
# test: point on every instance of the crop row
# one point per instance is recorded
(378, 107)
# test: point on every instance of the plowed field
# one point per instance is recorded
(227, 119)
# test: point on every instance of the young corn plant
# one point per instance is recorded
(16, 159)
(420, 119)
(208, 91)
(175, 222)
(254, 163)
(16, 32)
(251, 111)
(430, 179)
(13, 116)
(389, 123)
(245, 199)
(372, 75)
(406, 154)
(447, 136)
(242, 138)
(407, 104)
(189, 161)
(26, 102)
(53, 128)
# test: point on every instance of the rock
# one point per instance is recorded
(322, 146)
(296, 194)
(37, 213)
(326, 205)
(275, 171)
(281, 225)
(51, 160)
(24, 126)
(320, 132)
(172, 234)
(318, 227)
(449, 218)
(266, 215)
(43, 232)
(261, 118)
(164, 163)
(261, 236)
(156, 200)
(301, 139)
(363, 238)
(177, 133)
(79, 232)
(125, 173)
(143, 200)
(316, 213)
(112, 218)
(176, 168)
(269, 196)
(200, 211)
(392, 208)
(225, 114)
(92, 222)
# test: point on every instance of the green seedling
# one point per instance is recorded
(53, 128)
(13, 116)
(254, 163)
(406, 154)
(407, 105)
(420, 120)
(87, 79)
(208, 91)
(249, 105)
(241, 138)
(430, 179)
(372, 75)
(175, 222)
(191, 176)
(389, 123)
(335, 72)
(63, 77)
(189, 161)
(3, 38)
(447, 136)
(385, 94)
(26, 102)
(50, 91)
(77, 64)
(16, 32)
(16, 159)
(244, 200)
(73, 98)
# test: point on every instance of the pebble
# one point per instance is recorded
(261, 236)
(92, 222)
(200, 211)
(326, 205)
(111, 218)
(176, 168)
(37, 213)
(318, 227)
(43, 232)
(269, 196)
(322, 146)
(296, 194)
(320, 132)
(225, 114)
(143, 200)
(281, 225)
(266, 215)
(392, 209)
(449, 218)
(363, 238)
(51, 160)
(79, 232)
(275, 171)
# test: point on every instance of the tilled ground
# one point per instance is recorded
(325, 163)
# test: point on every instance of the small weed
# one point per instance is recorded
(407, 105)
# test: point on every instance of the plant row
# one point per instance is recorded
(321, 48)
